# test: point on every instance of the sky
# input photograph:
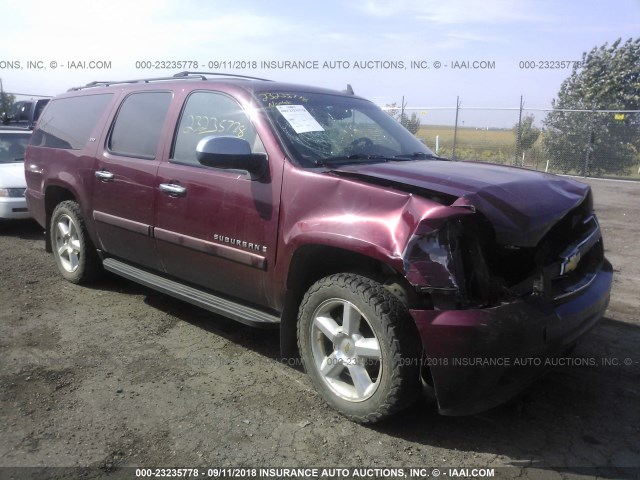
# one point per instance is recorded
(369, 44)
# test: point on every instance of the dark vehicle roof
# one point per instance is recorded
(24, 113)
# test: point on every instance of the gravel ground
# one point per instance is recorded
(117, 375)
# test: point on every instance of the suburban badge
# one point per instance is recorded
(240, 243)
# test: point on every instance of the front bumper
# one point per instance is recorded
(480, 358)
(14, 208)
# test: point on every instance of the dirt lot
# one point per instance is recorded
(117, 375)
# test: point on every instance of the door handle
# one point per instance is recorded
(173, 190)
(104, 175)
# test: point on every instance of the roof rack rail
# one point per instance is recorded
(98, 83)
(187, 74)
(183, 75)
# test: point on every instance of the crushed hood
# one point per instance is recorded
(521, 204)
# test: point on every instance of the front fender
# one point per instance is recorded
(371, 220)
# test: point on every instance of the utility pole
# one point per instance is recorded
(587, 156)
(519, 138)
(455, 129)
(4, 104)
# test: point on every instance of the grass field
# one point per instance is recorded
(495, 146)
(467, 137)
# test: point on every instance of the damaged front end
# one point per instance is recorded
(499, 311)
(448, 262)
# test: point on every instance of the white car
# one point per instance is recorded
(13, 143)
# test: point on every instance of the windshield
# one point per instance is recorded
(321, 129)
(12, 146)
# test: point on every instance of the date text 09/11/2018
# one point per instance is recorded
(316, 473)
(306, 64)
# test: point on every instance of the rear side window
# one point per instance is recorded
(136, 131)
(68, 122)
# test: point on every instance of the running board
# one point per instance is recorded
(241, 313)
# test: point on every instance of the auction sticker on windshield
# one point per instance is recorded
(299, 118)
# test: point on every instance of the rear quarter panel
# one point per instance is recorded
(71, 170)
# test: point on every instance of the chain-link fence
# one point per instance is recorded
(587, 142)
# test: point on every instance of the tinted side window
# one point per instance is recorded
(23, 111)
(40, 104)
(138, 125)
(210, 113)
(68, 122)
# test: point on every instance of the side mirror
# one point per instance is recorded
(232, 153)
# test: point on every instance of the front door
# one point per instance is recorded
(216, 228)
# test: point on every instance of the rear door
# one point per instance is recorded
(216, 228)
(125, 178)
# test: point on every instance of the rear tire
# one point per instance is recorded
(359, 346)
(75, 254)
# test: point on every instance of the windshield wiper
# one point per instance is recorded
(420, 156)
(361, 158)
(355, 158)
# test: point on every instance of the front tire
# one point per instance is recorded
(75, 255)
(359, 346)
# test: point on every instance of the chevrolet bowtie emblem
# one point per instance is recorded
(571, 263)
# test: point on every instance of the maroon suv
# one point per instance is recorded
(314, 211)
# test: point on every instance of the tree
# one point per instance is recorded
(608, 78)
(528, 135)
(6, 104)
(410, 123)
(393, 110)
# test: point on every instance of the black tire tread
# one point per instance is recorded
(397, 324)
(92, 268)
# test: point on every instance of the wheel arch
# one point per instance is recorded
(310, 263)
(379, 388)
(54, 194)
